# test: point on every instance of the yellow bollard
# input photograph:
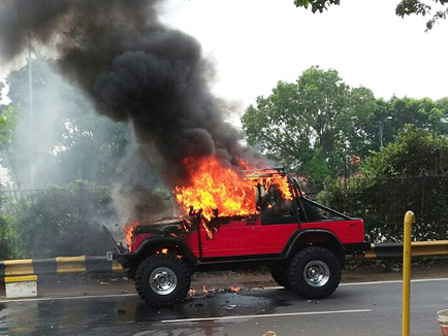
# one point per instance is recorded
(409, 219)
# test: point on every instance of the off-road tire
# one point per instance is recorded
(280, 276)
(165, 261)
(309, 260)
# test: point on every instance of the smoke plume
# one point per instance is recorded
(133, 69)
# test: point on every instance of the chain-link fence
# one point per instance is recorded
(383, 202)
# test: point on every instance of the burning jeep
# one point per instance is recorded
(233, 221)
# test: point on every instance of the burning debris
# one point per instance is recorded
(234, 289)
(192, 292)
(204, 292)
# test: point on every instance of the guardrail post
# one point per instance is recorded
(409, 219)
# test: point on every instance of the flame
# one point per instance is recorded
(215, 187)
(219, 191)
(204, 290)
(207, 229)
(192, 292)
(216, 190)
(282, 182)
(129, 233)
(234, 289)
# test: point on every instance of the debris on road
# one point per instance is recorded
(270, 333)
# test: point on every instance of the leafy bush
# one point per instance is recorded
(5, 251)
(63, 220)
(409, 174)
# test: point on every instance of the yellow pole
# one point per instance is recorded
(409, 219)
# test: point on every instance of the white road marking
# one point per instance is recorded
(368, 283)
(69, 298)
(240, 317)
(265, 288)
(390, 282)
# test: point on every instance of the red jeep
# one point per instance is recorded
(303, 242)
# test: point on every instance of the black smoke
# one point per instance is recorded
(133, 68)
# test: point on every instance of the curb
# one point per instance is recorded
(58, 265)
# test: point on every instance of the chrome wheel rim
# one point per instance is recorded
(316, 273)
(163, 281)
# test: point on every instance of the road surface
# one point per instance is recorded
(354, 309)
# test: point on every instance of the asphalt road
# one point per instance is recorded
(354, 309)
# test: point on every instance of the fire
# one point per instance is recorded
(207, 229)
(129, 233)
(282, 182)
(215, 187)
(191, 292)
(221, 191)
(204, 290)
(216, 190)
(234, 289)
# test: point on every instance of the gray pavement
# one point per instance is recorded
(364, 309)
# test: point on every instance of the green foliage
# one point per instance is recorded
(5, 251)
(315, 125)
(9, 116)
(62, 220)
(409, 174)
(317, 167)
(404, 7)
(316, 5)
(311, 125)
(75, 153)
(277, 128)
(408, 7)
(68, 141)
(415, 153)
(91, 149)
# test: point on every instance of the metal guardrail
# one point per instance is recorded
(58, 265)
(100, 264)
(432, 248)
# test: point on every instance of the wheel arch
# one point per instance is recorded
(152, 245)
(315, 237)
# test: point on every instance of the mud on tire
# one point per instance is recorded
(162, 280)
(314, 272)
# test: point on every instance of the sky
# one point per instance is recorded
(256, 43)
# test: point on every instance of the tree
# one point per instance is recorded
(69, 140)
(63, 220)
(9, 116)
(311, 125)
(410, 173)
(275, 126)
(404, 7)
(394, 115)
(76, 153)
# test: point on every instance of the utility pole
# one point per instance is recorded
(381, 131)
(380, 134)
(31, 122)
